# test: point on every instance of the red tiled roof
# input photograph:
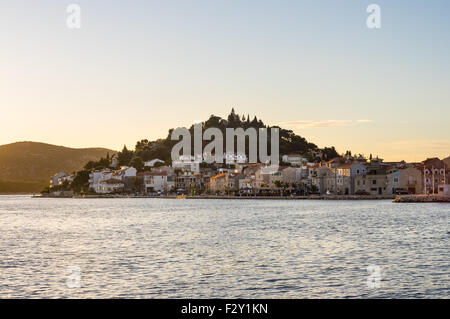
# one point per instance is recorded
(218, 176)
(346, 165)
(336, 160)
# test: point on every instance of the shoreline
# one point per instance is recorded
(394, 198)
(311, 197)
(422, 199)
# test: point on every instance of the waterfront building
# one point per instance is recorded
(408, 179)
(188, 182)
(435, 174)
(156, 182)
(371, 184)
(60, 178)
(111, 185)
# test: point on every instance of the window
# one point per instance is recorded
(374, 182)
(396, 180)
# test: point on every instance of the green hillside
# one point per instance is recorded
(27, 166)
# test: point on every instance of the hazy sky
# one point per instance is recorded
(137, 68)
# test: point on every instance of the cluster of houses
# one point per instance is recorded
(346, 175)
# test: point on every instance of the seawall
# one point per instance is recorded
(422, 199)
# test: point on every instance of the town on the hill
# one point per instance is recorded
(303, 170)
(343, 175)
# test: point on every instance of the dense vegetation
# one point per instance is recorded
(146, 150)
(290, 143)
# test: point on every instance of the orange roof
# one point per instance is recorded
(218, 176)
(346, 165)
(336, 159)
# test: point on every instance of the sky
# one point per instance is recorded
(137, 68)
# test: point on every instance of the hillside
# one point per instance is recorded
(25, 166)
(290, 143)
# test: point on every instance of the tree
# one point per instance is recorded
(125, 156)
(81, 182)
(142, 145)
(137, 163)
(159, 164)
(290, 143)
(138, 183)
(329, 153)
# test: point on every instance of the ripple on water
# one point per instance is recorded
(150, 248)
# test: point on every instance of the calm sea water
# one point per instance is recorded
(160, 248)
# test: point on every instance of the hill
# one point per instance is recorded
(290, 143)
(27, 166)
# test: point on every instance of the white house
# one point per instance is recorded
(98, 176)
(156, 182)
(187, 163)
(126, 171)
(60, 178)
(109, 186)
(231, 158)
(125, 174)
(153, 162)
(294, 159)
